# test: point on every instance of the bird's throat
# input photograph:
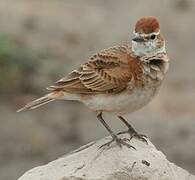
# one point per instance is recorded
(147, 49)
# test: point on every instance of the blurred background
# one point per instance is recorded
(43, 40)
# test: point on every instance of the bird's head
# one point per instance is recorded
(147, 39)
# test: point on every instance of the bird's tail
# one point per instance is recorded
(39, 102)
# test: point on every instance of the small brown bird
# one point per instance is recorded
(121, 79)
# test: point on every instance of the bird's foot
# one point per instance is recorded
(135, 134)
(141, 137)
(119, 142)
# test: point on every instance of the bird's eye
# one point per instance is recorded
(153, 36)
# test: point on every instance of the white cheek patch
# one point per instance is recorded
(143, 48)
(137, 48)
(148, 47)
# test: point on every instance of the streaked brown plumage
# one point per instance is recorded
(108, 71)
(120, 79)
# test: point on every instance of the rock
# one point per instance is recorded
(90, 162)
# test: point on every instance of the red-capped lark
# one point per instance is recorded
(120, 79)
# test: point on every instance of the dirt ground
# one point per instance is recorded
(61, 34)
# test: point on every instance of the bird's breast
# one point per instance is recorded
(125, 102)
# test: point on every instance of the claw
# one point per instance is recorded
(134, 134)
(122, 132)
(141, 137)
(119, 142)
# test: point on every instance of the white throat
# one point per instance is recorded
(147, 48)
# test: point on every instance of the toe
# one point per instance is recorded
(139, 137)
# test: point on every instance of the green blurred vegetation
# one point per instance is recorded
(17, 64)
(24, 71)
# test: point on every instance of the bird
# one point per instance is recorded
(120, 79)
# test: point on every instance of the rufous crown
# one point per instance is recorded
(147, 25)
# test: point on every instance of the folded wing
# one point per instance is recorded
(106, 72)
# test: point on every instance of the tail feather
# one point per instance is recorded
(38, 102)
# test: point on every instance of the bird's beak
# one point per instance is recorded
(138, 39)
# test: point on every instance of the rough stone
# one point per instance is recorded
(90, 162)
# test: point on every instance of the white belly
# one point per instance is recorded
(120, 103)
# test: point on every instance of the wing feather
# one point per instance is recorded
(106, 71)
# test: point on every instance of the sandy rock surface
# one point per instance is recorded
(92, 162)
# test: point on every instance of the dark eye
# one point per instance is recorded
(153, 37)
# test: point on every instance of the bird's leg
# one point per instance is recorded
(133, 133)
(119, 141)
